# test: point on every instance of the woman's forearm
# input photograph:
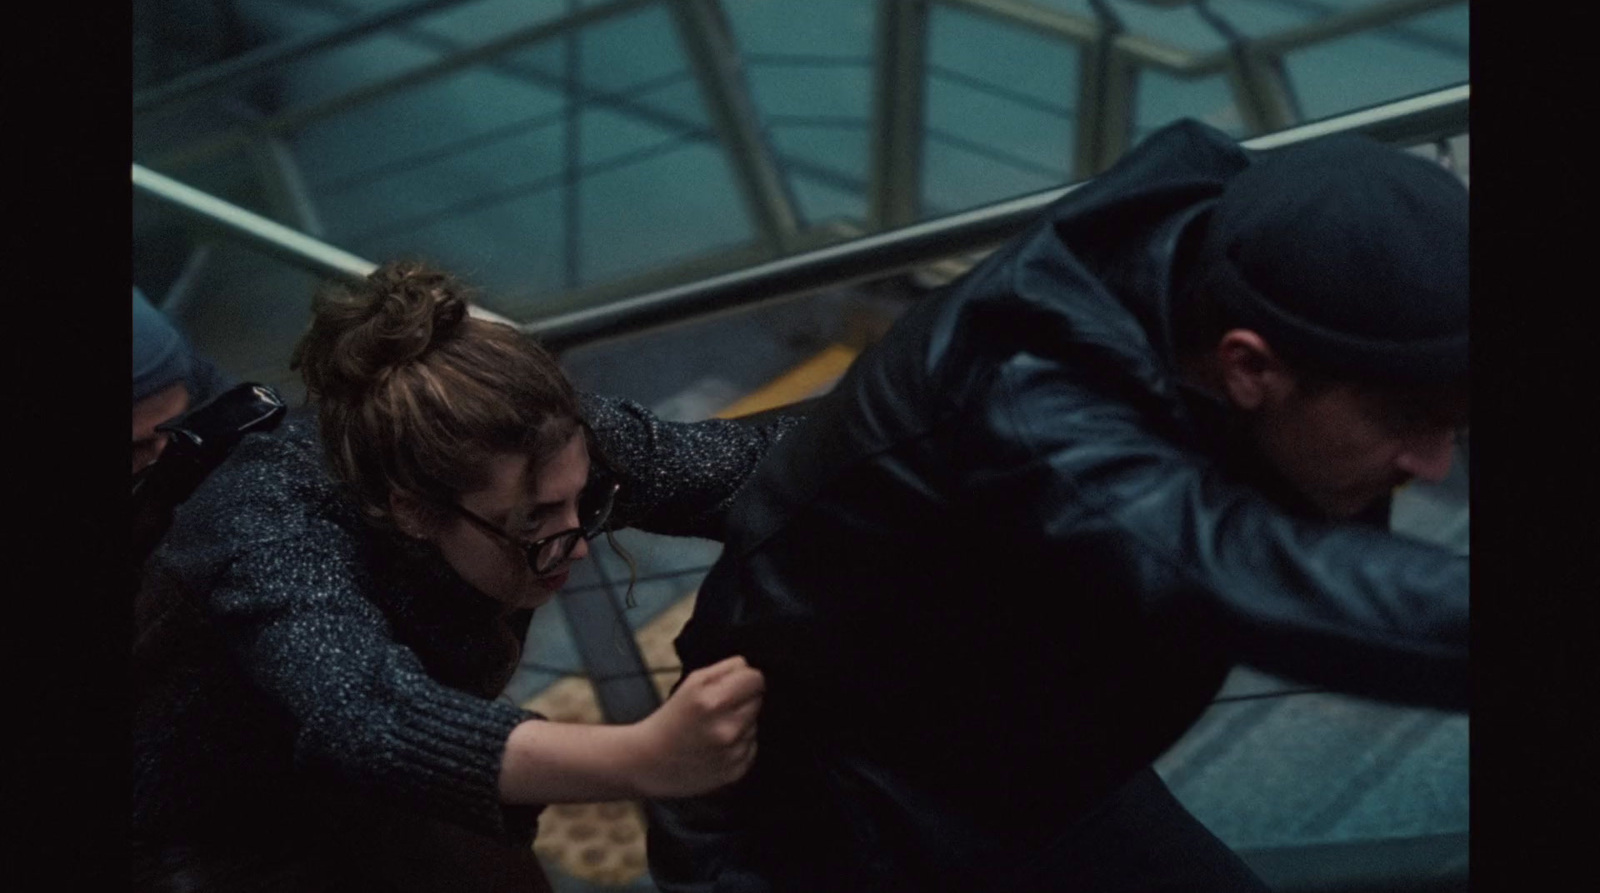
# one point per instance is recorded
(558, 762)
(702, 738)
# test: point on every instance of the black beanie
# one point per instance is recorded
(1348, 255)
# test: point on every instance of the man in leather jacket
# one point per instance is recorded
(1011, 558)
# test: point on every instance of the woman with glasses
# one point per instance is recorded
(324, 633)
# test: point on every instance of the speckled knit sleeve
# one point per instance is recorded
(678, 478)
(290, 608)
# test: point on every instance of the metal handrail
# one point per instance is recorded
(268, 236)
(1416, 120)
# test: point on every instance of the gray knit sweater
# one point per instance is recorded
(297, 667)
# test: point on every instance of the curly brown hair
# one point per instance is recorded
(415, 396)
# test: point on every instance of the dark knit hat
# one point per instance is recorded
(160, 354)
(1350, 256)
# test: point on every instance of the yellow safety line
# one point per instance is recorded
(804, 380)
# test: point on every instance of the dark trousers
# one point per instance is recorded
(1141, 840)
(1138, 840)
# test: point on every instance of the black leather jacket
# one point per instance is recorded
(1010, 560)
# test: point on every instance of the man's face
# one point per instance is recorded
(1345, 447)
(162, 406)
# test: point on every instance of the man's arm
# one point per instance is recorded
(1341, 605)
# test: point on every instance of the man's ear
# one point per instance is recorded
(409, 513)
(1253, 376)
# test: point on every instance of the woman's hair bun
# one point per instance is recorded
(362, 333)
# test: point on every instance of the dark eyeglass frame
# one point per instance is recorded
(569, 538)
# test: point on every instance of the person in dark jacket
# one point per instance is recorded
(1010, 559)
(169, 378)
(324, 634)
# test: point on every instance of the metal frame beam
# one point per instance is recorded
(900, 76)
(622, 103)
(1262, 93)
(293, 119)
(1260, 86)
(1121, 90)
(263, 61)
(181, 293)
(1417, 120)
(625, 103)
(285, 186)
(1346, 23)
(1077, 29)
(1107, 75)
(572, 160)
(703, 30)
(1155, 54)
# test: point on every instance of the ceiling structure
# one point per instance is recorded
(567, 153)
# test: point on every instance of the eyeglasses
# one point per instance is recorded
(546, 554)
